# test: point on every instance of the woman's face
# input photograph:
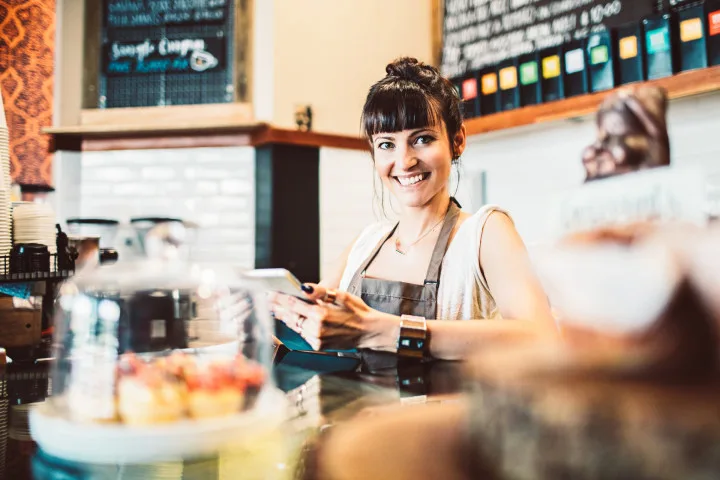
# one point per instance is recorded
(415, 164)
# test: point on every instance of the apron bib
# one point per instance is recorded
(401, 298)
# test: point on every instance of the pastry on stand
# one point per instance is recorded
(159, 359)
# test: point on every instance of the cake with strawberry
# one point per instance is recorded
(177, 386)
(147, 394)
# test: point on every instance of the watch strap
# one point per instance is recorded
(413, 338)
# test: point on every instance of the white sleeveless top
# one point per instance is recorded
(464, 293)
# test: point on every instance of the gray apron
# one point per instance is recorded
(401, 298)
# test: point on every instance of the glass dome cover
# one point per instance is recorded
(160, 343)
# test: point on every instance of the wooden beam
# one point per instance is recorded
(132, 137)
(309, 139)
(436, 30)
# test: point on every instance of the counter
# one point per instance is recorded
(541, 428)
(316, 402)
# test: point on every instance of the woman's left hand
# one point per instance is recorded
(336, 320)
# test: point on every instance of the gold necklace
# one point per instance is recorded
(398, 245)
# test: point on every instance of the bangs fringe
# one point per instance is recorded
(397, 107)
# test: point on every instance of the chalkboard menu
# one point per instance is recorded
(152, 13)
(166, 52)
(479, 33)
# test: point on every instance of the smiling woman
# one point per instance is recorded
(437, 262)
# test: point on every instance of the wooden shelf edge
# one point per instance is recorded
(139, 137)
(309, 139)
(139, 130)
(681, 85)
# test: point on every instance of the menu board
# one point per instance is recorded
(152, 13)
(166, 52)
(479, 33)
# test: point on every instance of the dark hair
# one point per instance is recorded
(412, 95)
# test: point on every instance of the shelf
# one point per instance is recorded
(684, 84)
(8, 276)
(35, 276)
(137, 137)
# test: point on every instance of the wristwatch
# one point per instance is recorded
(413, 338)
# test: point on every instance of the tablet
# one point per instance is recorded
(276, 280)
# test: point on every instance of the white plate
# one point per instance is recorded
(115, 443)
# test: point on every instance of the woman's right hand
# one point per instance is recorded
(336, 320)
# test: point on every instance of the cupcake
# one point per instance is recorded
(147, 395)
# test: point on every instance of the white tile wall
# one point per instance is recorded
(346, 200)
(525, 168)
(211, 186)
(66, 177)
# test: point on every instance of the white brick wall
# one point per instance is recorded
(524, 168)
(211, 186)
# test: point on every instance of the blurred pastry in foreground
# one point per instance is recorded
(628, 306)
(631, 134)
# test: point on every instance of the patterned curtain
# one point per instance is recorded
(27, 48)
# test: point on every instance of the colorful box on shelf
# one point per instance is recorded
(575, 76)
(660, 59)
(601, 61)
(489, 86)
(468, 90)
(712, 8)
(529, 73)
(692, 46)
(509, 85)
(630, 45)
(551, 66)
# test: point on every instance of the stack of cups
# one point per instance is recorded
(5, 206)
(35, 223)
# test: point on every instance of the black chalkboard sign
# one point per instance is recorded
(155, 13)
(166, 52)
(480, 33)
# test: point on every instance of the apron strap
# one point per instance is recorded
(354, 286)
(451, 218)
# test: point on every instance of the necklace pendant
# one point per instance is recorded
(397, 247)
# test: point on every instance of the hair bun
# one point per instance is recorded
(408, 68)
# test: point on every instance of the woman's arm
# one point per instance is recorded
(452, 340)
(350, 323)
(459, 340)
(509, 273)
(515, 288)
